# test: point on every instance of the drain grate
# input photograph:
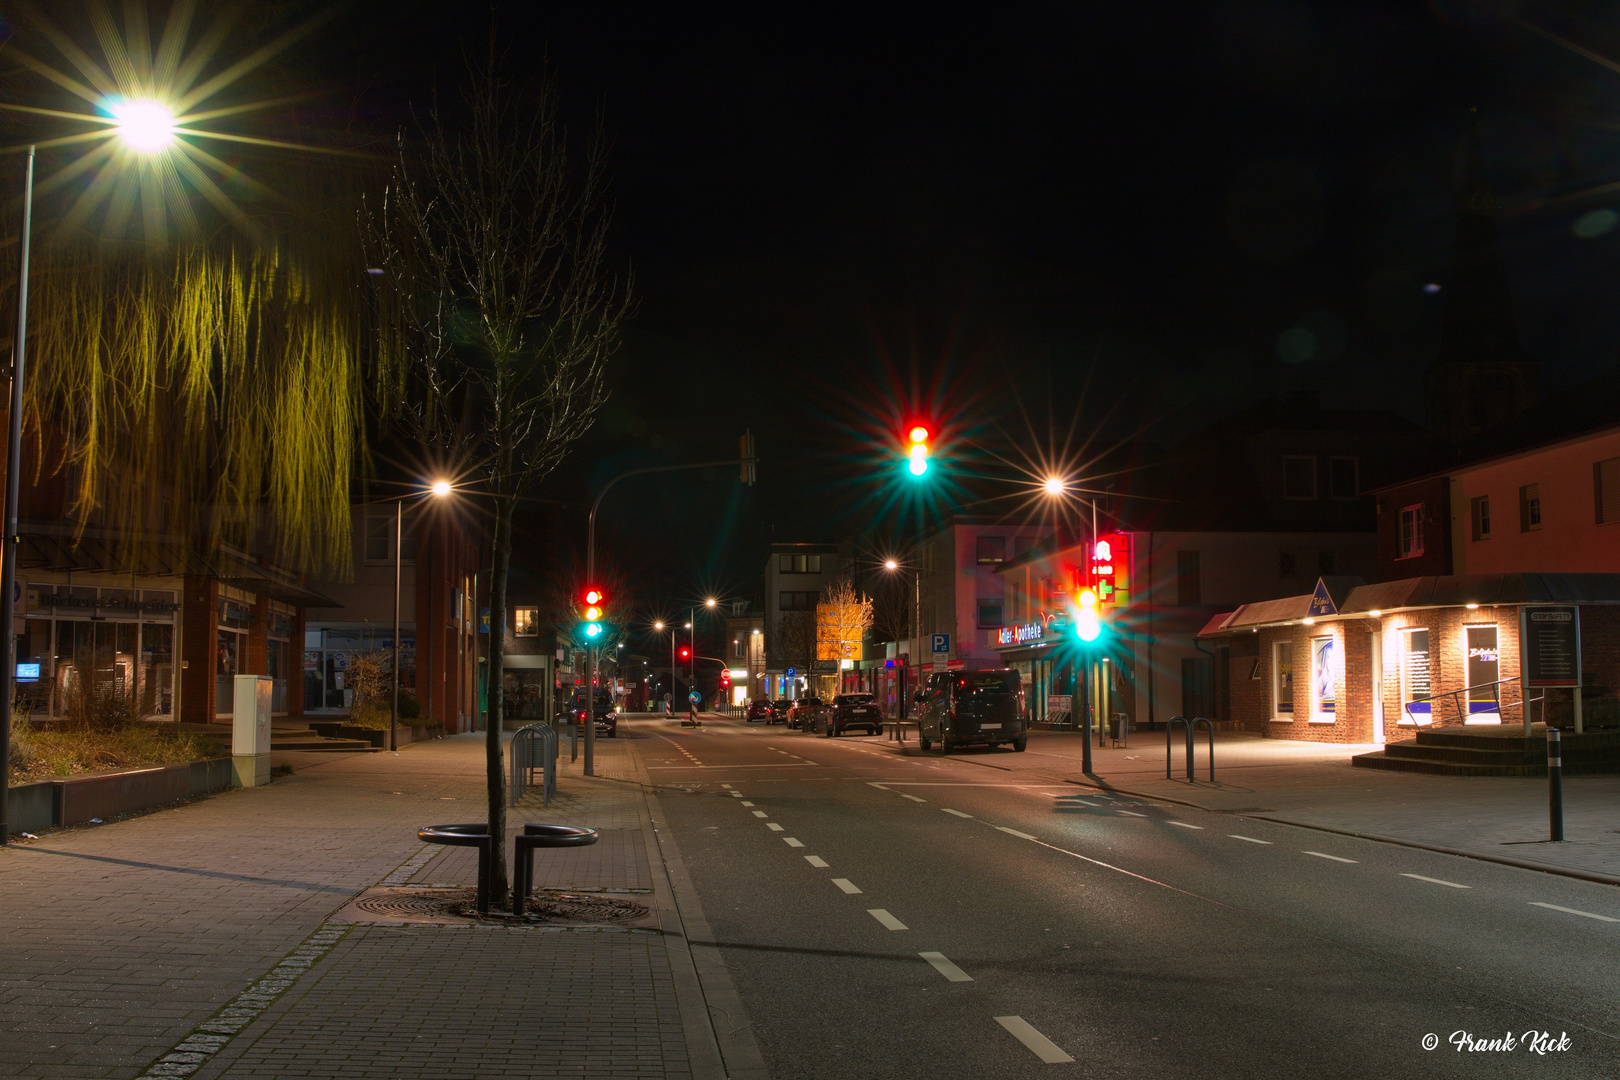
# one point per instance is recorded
(583, 907)
(420, 905)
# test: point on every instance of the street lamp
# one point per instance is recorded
(1055, 486)
(439, 489)
(893, 565)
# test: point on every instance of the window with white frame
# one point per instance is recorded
(526, 621)
(1411, 532)
(1324, 679)
(1480, 513)
(1530, 508)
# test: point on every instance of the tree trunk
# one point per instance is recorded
(501, 557)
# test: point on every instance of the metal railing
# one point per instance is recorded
(1191, 727)
(533, 747)
(1456, 702)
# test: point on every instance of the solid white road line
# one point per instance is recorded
(1082, 802)
(847, 885)
(1572, 911)
(790, 842)
(1131, 813)
(945, 967)
(1250, 839)
(773, 826)
(913, 798)
(1323, 855)
(1044, 1048)
(1436, 881)
(1183, 825)
(958, 813)
(817, 861)
(760, 813)
(889, 921)
(1014, 832)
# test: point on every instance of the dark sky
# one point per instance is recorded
(1180, 207)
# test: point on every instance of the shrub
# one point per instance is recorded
(39, 753)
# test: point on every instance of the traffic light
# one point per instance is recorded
(686, 654)
(917, 449)
(593, 627)
(1087, 624)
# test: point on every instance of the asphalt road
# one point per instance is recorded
(901, 914)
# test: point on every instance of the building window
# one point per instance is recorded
(1483, 669)
(1344, 477)
(1287, 565)
(1299, 476)
(739, 650)
(379, 539)
(796, 601)
(992, 550)
(1606, 484)
(1282, 680)
(1480, 513)
(989, 614)
(1529, 507)
(526, 621)
(1324, 677)
(798, 564)
(1411, 538)
(1415, 678)
(1189, 581)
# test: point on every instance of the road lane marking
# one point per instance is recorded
(1572, 911)
(773, 826)
(1183, 825)
(725, 785)
(1250, 839)
(958, 813)
(1436, 881)
(816, 861)
(847, 885)
(1072, 798)
(760, 813)
(1131, 813)
(790, 842)
(1014, 832)
(746, 802)
(889, 921)
(945, 967)
(877, 785)
(913, 798)
(1043, 1048)
(1324, 855)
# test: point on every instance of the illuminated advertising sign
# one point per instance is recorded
(1017, 635)
(1111, 569)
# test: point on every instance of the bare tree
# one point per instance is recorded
(498, 311)
(791, 641)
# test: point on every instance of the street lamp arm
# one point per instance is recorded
(590, 527)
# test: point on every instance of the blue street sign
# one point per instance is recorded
(694, 697)
(942, 643)
(792, 672)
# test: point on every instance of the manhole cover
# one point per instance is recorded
(584, 908)
(417, 905)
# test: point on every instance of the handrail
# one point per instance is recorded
(1462, 717)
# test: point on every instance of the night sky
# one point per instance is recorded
(1123, 218)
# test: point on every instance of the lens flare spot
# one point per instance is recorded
(144, 126)
(1594, 223)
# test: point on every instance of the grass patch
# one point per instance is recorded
(49, 754)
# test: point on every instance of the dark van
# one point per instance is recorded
(960, 708)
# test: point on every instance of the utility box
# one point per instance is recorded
(250, 730)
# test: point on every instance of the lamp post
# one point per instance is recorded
(8, 553)
(893, 565)
(439, 489)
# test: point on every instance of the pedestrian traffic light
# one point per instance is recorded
(593, 613)
(917, 449)
(1087, 624)
(686, 654)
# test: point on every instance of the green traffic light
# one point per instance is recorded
(593, 630)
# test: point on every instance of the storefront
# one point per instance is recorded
(82, 639)
(1030, 650)
(328, 650)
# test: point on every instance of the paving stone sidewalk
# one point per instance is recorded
(1498, 817)
(196, 941)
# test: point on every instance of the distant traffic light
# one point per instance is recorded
(1087, 624)
(686, 654)
(917, 449)
(593, 613)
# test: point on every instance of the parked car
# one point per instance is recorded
(779, 710)
(607, 718)
(959, 708)
(851, 711)
(758, 709)
(802, 711)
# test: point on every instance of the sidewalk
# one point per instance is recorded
(1495, 817)
(201, 941)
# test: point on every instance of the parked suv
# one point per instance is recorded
(779, 710)
(959, 708)
(607, 720)
(851, 711)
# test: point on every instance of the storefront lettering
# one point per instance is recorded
(1019, 635)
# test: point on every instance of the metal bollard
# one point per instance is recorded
(1555, 785)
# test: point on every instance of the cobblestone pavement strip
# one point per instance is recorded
(136, 941)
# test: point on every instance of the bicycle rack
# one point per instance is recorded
(538, 836)
(534, 747)
(475, 835)
(1190, 727)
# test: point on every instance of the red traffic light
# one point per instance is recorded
(685, 653)
(593, 596)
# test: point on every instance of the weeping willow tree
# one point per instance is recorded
(498, 313)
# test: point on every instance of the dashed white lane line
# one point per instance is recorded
(1043, 1048)
(737, 795)
(725, 785)
(847, 885)
(790, 842)
(1131, 813)
(746, 802)
(1436, 881)
(1014, 832)
(1250, 839)
(1324, 855)
(874, 783)
(1572, 911)
(889, 921)
(913, 798)
(1183, 825)
(774, 827)
(761, 813)
(945, 967)
(1082, 802)
(816, 861)
(958, 813)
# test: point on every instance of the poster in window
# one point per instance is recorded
(1285, 679)
(1415, 688)
(1324, 675)
(1483, 670)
